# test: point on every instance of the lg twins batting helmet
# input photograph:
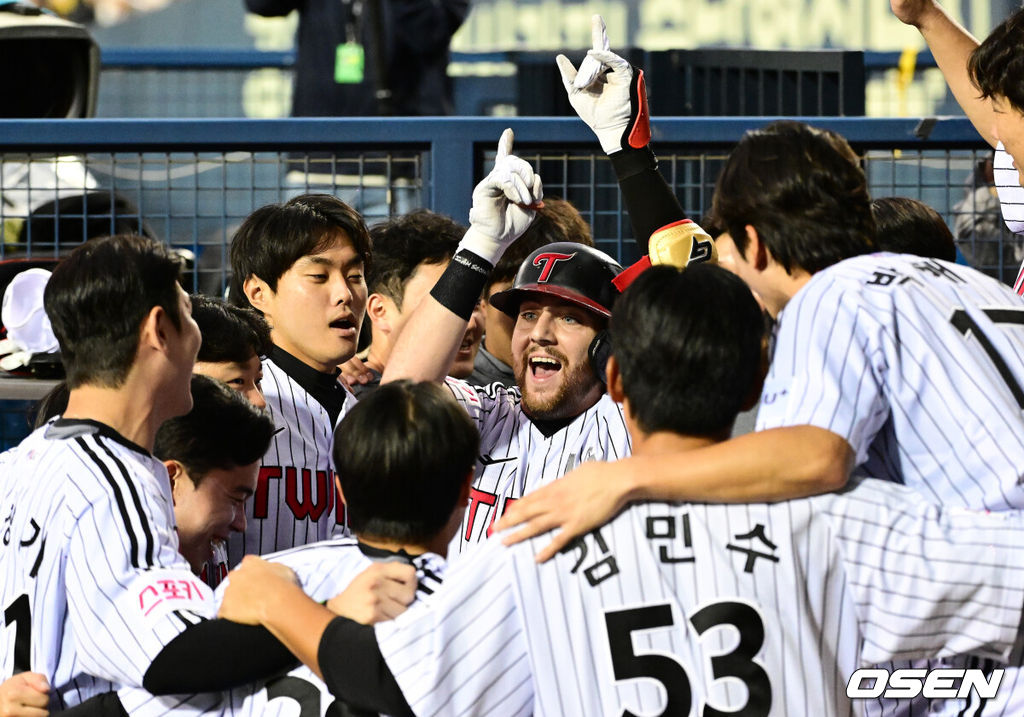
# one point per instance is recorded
(570, 271)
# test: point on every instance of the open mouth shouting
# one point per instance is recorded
(544, 367)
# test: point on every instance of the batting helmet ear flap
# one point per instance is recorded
(598, 352)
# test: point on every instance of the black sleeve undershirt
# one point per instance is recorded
(195, 661)
(107, 704)
(651, 203)
(355, 671)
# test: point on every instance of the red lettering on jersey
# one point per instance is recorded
(549, 259)
(494, 516)
(261, 498)
(476, 497)
(310, 506)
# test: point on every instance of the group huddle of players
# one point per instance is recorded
(643, 562)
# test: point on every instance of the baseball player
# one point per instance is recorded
(985, 81)
(93, 586)
(559, 415)
(556, 221)
(404, 510)
(234, 341)
(301, 265)
(676, 608)
(906, 367)
(409, 254)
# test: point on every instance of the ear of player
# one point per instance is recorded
(608, 94)
(504, 203)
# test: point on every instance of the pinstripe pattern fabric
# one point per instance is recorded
(813, 589)
(1011, 200)
(919, 365)
(90, 554)
(916, 364)
(324, 569)
(295, 501)
(516, 457)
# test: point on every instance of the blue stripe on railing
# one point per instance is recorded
(182, 58)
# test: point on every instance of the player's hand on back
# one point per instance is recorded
(381, 592)
(911, 12)
(608, 94)
(581, 500)
(504, 203)
(253, 589)
(27, 694)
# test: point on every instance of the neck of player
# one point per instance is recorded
(126, 411)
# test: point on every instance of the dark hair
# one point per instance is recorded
(558, 220)
(223, 430)
(685, 369)
(230, 333)
(274, 237)
(403, 455)
(403, 243)
(997, 65)
(97, 299)
(54, 403)
(907, 226)
(801, 189)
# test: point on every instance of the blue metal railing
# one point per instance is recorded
(177, 58)
(455, 146)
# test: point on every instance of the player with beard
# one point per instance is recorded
(558, 415)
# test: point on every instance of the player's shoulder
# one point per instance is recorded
(483, 398)
(314, 552)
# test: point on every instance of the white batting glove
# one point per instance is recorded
(504, 204)
(608, 94)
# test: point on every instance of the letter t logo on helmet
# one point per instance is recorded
(549, 259)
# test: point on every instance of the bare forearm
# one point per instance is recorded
(426, 348)
(951, 45)
(766, 466)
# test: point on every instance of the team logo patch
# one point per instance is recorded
(546, 262)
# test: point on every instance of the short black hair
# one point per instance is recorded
(803, 191)
(230, 333)
(223, 430)
(684, 369)
(909, 226)
(996, 66)
(97, 299)
(558, 220)
(274, 237)
(403, 243)
(403, 455)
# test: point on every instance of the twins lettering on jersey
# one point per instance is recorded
(307, 493)
(489, 500)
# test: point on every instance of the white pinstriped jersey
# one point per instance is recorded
(516, 457)
(324, 569)
(1011, 200)
(295, 502)
(91, 582)
(919, 365)
(749, 609)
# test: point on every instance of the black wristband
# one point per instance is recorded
(629, 162)
(460, 286)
